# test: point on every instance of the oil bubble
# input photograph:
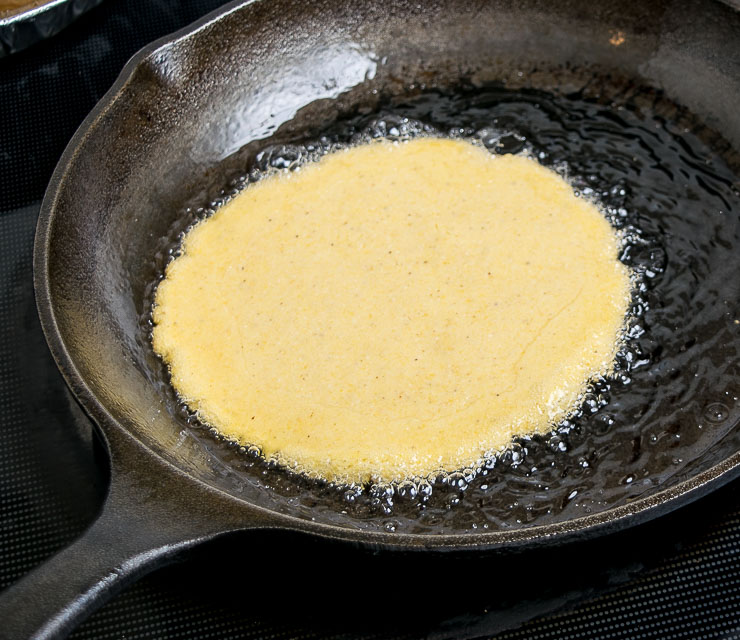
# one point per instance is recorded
(716, 412)
(391, 526)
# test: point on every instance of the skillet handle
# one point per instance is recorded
(147, 519)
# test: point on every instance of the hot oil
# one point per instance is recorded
(658, 177)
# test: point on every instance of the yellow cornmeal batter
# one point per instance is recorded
(393, 309)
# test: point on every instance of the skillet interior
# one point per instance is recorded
(199, 108)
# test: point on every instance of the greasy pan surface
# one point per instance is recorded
(189, 115)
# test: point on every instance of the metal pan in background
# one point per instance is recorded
(37, 21)
(192, 108)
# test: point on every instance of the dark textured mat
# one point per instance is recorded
(677, 578)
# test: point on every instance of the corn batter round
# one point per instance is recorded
(393, 309)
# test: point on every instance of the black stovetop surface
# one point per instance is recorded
(676, 578)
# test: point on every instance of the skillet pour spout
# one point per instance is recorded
(192, 111)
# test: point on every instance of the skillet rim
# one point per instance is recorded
(610, 520)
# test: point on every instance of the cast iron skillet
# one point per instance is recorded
(196, 101)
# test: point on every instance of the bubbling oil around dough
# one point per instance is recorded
(393, 309)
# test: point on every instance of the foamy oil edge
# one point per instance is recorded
(418, 488)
